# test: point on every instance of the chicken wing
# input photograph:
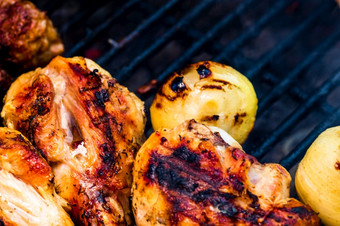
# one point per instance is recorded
(191, 176)
(27, 36)
(27, 195)
(88, 127)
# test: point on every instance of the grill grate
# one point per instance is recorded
(289, 49)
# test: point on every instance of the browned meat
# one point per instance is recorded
(27, 36)
(191, 176)
(88, 127)
(27, 195)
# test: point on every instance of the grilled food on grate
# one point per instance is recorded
(189, 175)
(27, 196)
(209, 92)
(27, 36)
(318, 176)
(88, 127)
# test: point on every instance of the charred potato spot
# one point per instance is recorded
(177, 85)
(203, 70)
(210, 118)
(207, 89)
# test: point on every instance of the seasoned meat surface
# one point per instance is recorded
(27, 36)
(189, 175)
(27, 195)
(88, 127)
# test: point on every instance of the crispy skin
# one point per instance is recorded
(27, 36)
(26, 191)
(190, 176)
(88, 127)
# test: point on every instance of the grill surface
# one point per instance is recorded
(290, 50)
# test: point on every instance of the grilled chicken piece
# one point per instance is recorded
(27, 36)
(191, 176)
(88, 127)
(27, 195)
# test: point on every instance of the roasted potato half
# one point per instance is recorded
(317, 179)
(209, 92)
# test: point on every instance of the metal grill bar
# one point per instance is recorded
(288, 41)
(183, 22)
(105, 58)
(90, 36)
(297, 154)
(290, 78)
(81, 15)
(198, 44)
(251, 32)
(293, 118)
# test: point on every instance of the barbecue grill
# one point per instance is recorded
(290, 50)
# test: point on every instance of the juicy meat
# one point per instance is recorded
(88, 127)
(27, 195)
(27, 36)
(191, 176)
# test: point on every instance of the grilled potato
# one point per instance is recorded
(211, 93)
(317, 179)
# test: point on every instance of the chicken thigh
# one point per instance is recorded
(27, 195)
(88, 127)
(190, 175)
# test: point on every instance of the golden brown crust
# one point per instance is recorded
(27, 196)
(88, 126)
(189, 175)
(19, 157)
(27, 36)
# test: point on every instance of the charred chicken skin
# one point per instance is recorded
(27, 195)
(88, 127)
(27, 36)
(190, 175)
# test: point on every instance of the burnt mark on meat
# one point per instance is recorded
(184, 186)
(236, 183)
(102, 96)
(302, 211)
(163, 140)
(187, 155)
(203, 70)
(108, 167)
(255, 200)
(94, 72)
(210, 118)
(177, 85)
(111, 82)
(239, 118)
(88, 80)
(159, 105)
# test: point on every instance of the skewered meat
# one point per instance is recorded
(27, 195)
(27, 36)
(88, 127)
(191, 176)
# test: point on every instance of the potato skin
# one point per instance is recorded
(317, 179)
(209, 92)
